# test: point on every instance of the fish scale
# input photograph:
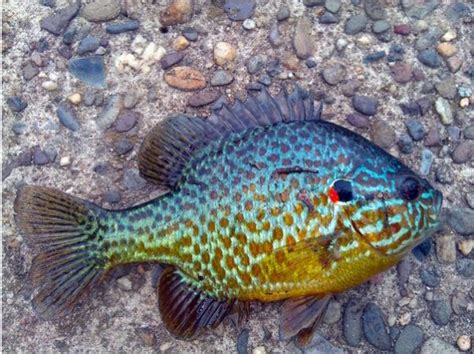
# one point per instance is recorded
(266, 202)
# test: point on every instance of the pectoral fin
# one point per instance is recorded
(185, 310)
(299, 317)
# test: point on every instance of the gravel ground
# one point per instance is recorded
(397, 72)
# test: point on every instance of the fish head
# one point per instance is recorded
(389, 206)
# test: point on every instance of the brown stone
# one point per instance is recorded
(177, 11)
(185, 78)
(401, 72)
(203, 98)
(446, 49)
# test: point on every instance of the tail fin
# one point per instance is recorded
(65, 233)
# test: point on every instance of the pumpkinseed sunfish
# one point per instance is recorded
(266, 202)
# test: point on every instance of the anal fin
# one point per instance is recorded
(185, 310)
(299, 318)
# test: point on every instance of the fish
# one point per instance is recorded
(265, 202)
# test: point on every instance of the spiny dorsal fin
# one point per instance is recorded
(172, 143)
(185, 310)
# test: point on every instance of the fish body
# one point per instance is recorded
(260, 208)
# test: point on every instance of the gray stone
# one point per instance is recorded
(428, 39)
(469, 132)
(454, 133)
(470, 199)
(350, 87)
(265, 80)
(382, 134)
(171, 59)
(375, 9)
(427, 158)
(40, 157)
(88, 44)
(405, 144)
(333, 5)
(464, 152)
(358, 120)
(221, 78)
(410, 109)
(465, 267)
(425, 104)
(190, 34)
(401, 72)
(419, 9)
(283, 12)
(374, 327)
(319, 344)
(302, 41)
(29, 71)
(355, 24)
(112, 196)
(409, 340)
(249, 24)
(243, 341)
(457, 11)
(69, 35)
(256, 63)
(89, 70)
(446, 88)
(239, 10)
(430, 277)
(126, 120)
(121, 27)
(381, 26)
(328, 18)
(365, 104)
(333, 312)
(110, 112)
(19, 128)
(443, 108)
(312, 3)
(444, 175)
(334, 74)
(430, 58)
(130, 100)
(415, 129)
(435, 345)
(16, 103)
(65, 51)
(101, 10)
(203, 98)
(352, 323)
(57, 22)
(132, 180)
(123, 146)
(67, 116)
(441, 312)
(462, 221)
(274, 36)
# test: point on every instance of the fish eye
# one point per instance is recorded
(410, 189)
(341, 191)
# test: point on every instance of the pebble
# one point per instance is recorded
(190, 34)
(171, 59)
(358, 120)
(373, 57)
(464, 343)
(419, 9)
(469, 132)
(101, 10)
(274, 35)
(466, 246)
(465, 267)
(89, 70)
(177, 11)
(221, 78)
(446, 248)
(355, 24)
(203, 98)
(405, 144)
(67, 116)
(19, 128)
(365, 104)
(435, 345)
(382, 134)
(185, 78)
(249, 24)
(464, 91)
(88, 44)
(350, 87)
(375, 9)
(352, 323)
(121, 27)
(443, 108)
(123, 146)
(48, 3)
(470, 199)
(310, 63)
(334, 74)
(462, 221)
(333, 312)
(65, 161)
(380, 26)
(283, 12)
(341, 44)
(130, 100)
(89, 98)
(449, 36)
(302, 42)
(29, 71)
(243, 341)
(239, 10)
(464, 152)
(423, 250)
(374, 328)
(328, 18)
(224, 53)
(410, 109)
(75, 98)
(40, 157)
(49, 85)
(180, 43)
(312, 3)
(446, 88)
(147, 335)
(429, 58)
(265, 80)
(124, 283)
(430, 277)
(402, 29)
(441, 312)
(256, 63)
(65, 51)
(110, 112)
(444, 174)
(126, 120)
(427, 158)
(401, 72)
(446, 49)
(459, 303)
(415, 129)
(57, 22)
(16, 103)
(409, 340)
(395, 53)
(259, 350)
(319, 344)
(333, 5)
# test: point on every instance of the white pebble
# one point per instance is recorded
(249, 24)
(341, 43)
(464, 343)
(65, 161)
(464, 102)
(259, 350)
(449, 36)
(49, 85)
(75, 98)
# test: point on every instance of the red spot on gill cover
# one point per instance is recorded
(332, 193)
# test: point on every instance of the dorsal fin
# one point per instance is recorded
(173, 142)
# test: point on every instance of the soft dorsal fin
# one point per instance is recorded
(173, 142)
(185, 310)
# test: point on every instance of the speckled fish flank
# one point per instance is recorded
(266, 202)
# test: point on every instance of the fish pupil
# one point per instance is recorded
(410, 189)
(343, 189)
